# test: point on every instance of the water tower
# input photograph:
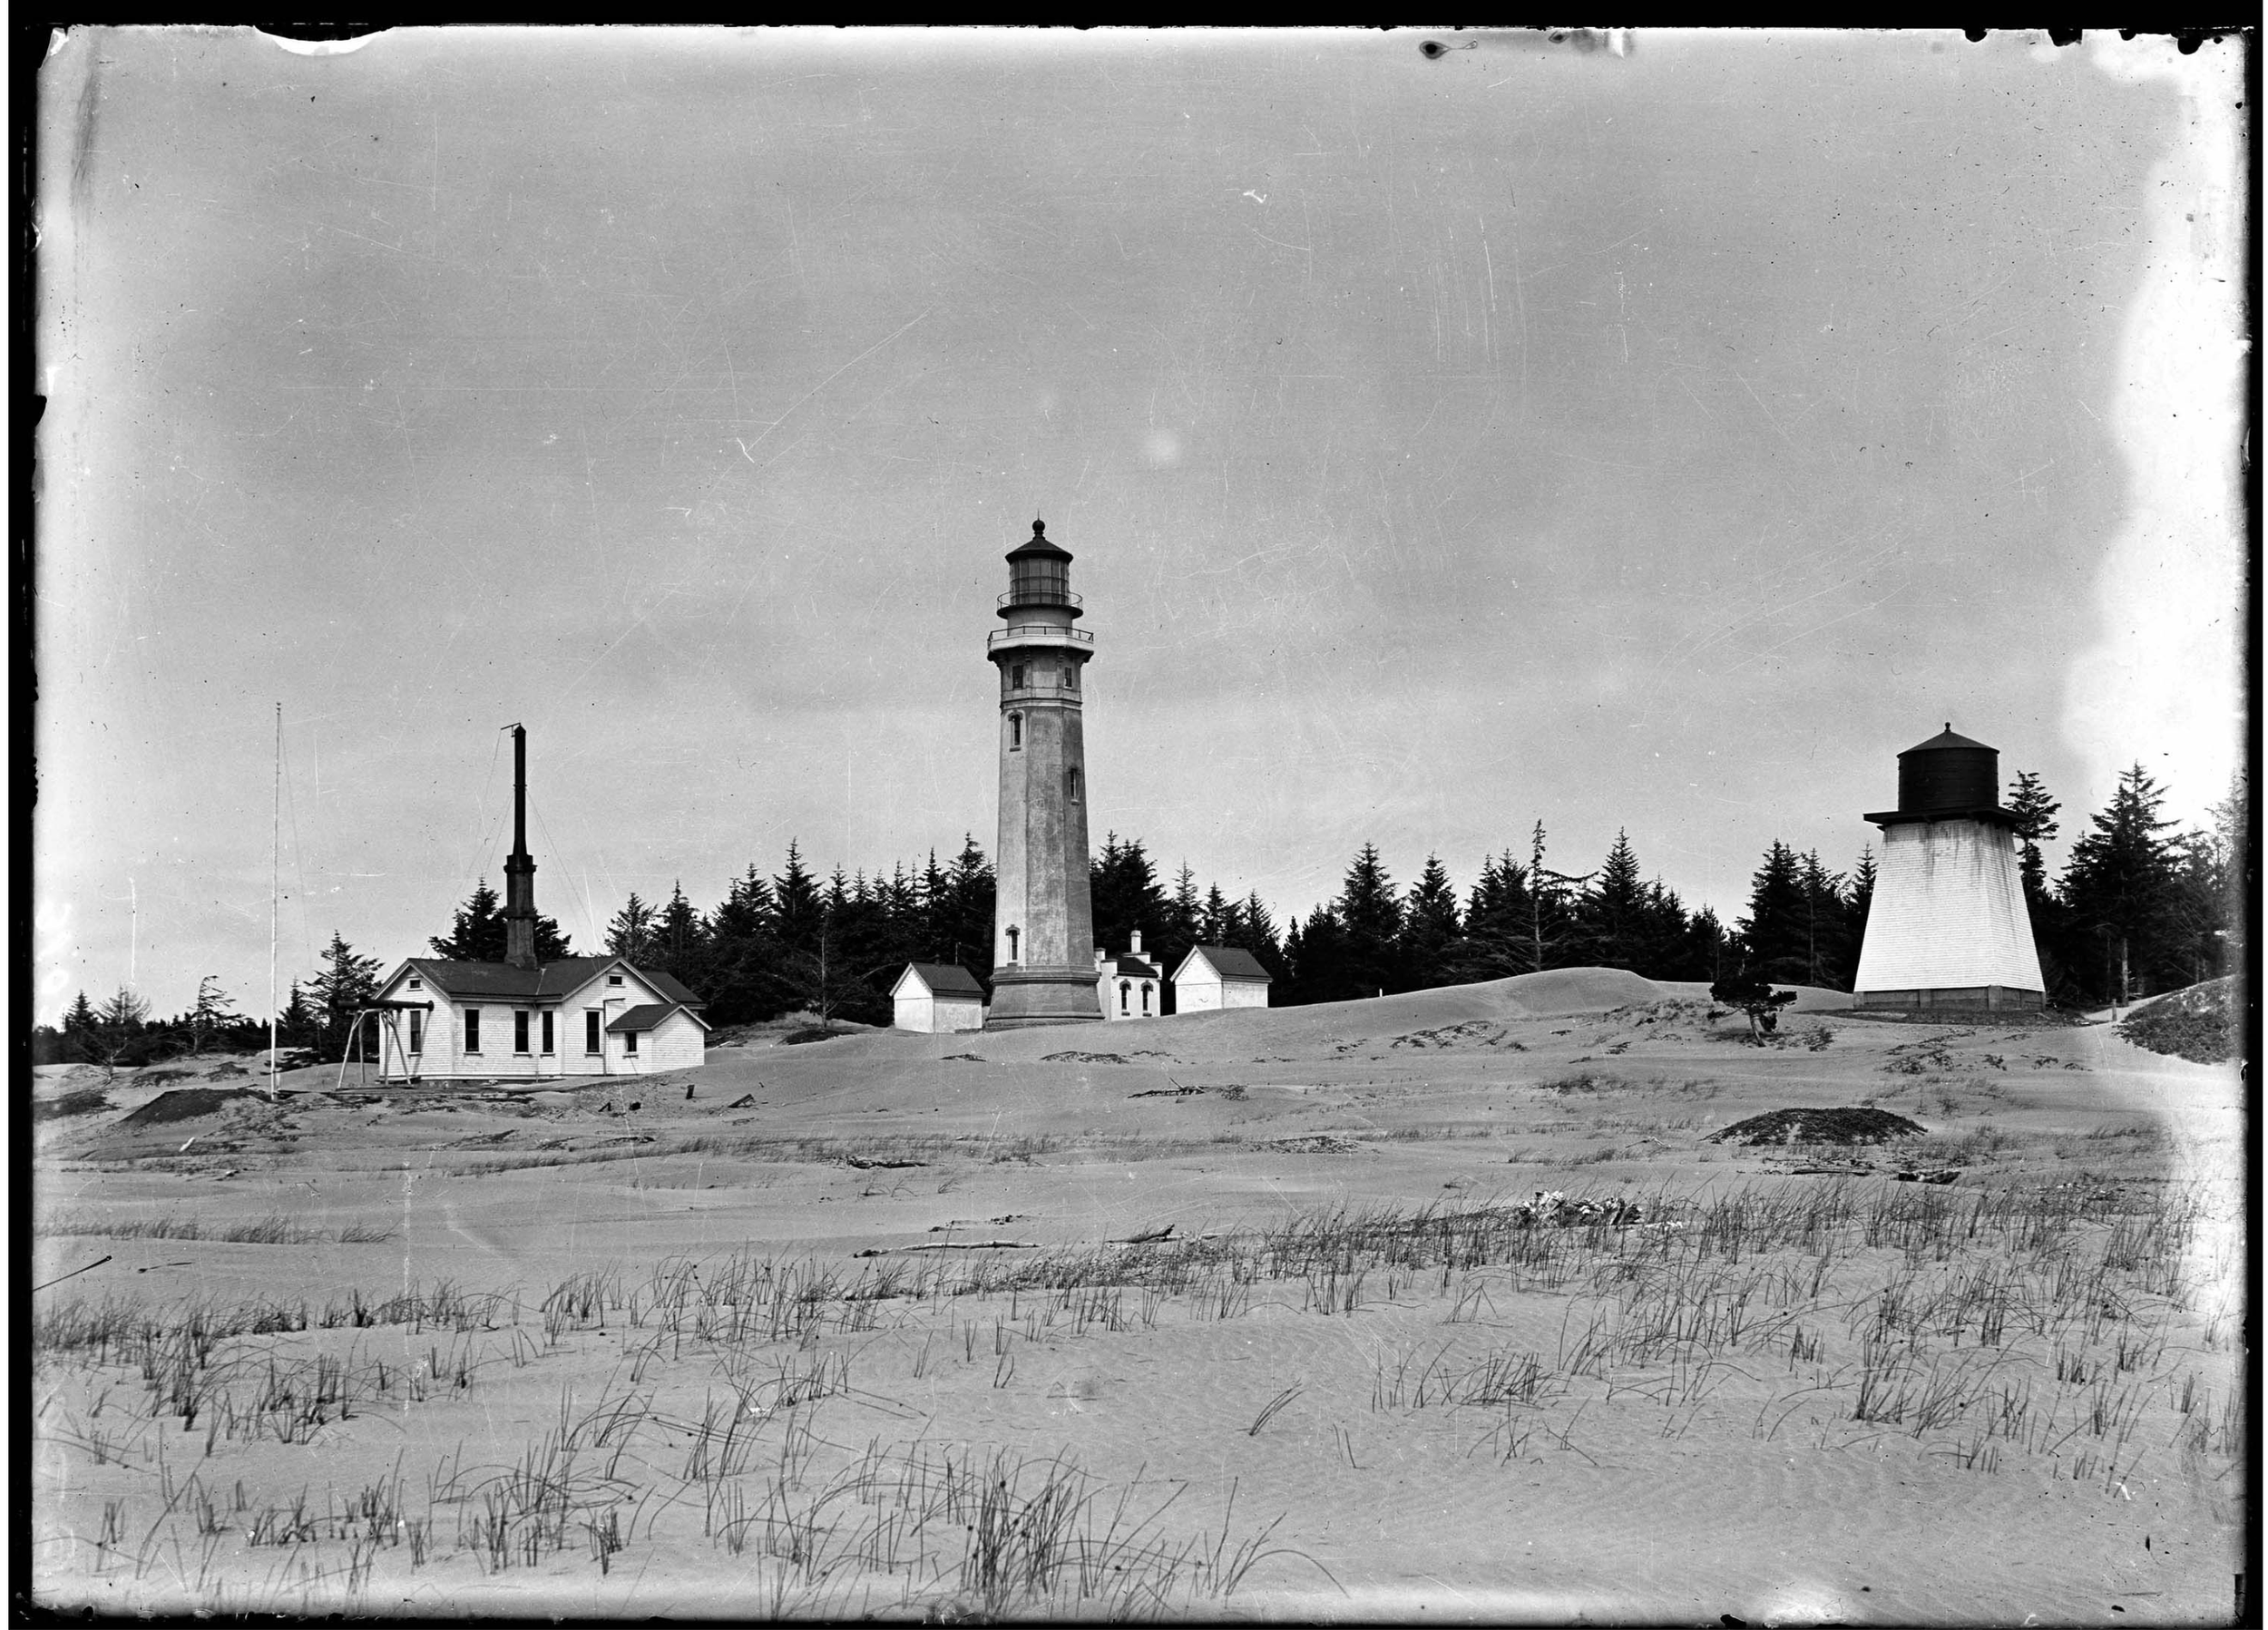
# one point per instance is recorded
(1948, 928)
(1044, 937)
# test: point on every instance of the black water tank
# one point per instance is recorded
(1950, 772)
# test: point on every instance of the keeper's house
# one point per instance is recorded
(579, 1016)
(936, 998)
(1212, 977)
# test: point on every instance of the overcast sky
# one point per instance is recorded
(1659, 441)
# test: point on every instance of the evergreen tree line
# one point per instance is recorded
(2138, 908)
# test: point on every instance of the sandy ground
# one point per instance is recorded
(858, 1328)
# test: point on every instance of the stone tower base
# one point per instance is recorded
(1024, 997)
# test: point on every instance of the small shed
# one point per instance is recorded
(1212, 977)
(660, 1035)
(937, 998)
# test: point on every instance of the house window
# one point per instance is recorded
(471, 1029)
(590, 1030)
(615, 981)
(416, 1032)
(1145, 999)
(1123, 989)
(547, 1029)
(630, 1042)
(519, 1029)
(417, 984)
(1015, 732)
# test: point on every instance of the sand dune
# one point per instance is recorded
(706, 1356)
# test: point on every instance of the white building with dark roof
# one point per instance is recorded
(440, 1019)
(1128, 986)
(936, 998)
(1212, 977)
(579, 1016)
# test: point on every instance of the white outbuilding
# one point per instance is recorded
(1212, 977)
(1130, 986)
(936, 998)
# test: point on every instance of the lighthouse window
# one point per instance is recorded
(1071, 784)
(1071, 676)
(1016, 676)
(1015, 732)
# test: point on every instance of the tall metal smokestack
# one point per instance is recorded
(519, 865)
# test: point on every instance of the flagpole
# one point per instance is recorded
(274, 875)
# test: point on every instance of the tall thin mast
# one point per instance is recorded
(275, 887)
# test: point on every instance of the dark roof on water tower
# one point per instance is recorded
(1948, 777)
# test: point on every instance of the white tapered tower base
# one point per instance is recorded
(1948, 926)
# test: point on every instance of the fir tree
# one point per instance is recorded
(1122, 888)
(1778, 927)
(346, 983)
(680, 940)
(1499, 919)
(1551, 925)
(797, 908)
(116, 1036)
(1369, 916)
(2034, 814)
(629, 932)
(78, 1029)
(2120, 886)
(1430, 927)
(1611, 917)
(213, 1011)
(476, 933)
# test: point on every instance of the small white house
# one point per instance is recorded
(1212, 977)
(1128, 986)
(937, 998)
(579, 1016)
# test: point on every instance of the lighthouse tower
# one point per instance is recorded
(1043, 925)
(1948, 928)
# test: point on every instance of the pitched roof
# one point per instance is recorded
(647, 1016)
(1944, 740)
(1134, 966)
(944, 979)
(1227, 962)
(667, 987)
(552, 981)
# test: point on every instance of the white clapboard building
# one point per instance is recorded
(936, 998)
(578, 1016)
(1212, 977)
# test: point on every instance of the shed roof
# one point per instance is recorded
(649, 1015)
(1227, 962)
(944, 978)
